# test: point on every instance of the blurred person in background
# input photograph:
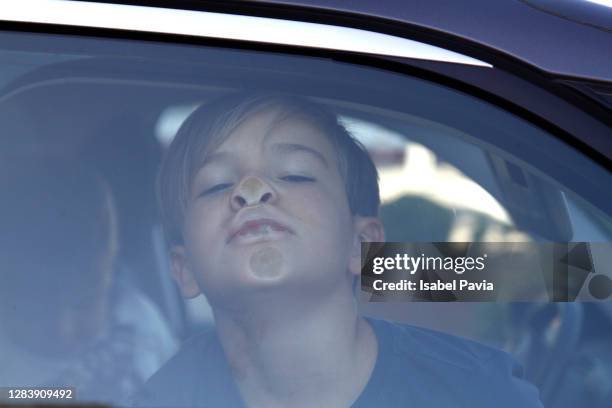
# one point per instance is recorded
(68, 315)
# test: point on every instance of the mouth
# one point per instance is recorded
(263, 229)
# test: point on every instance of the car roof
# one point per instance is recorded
(570, 39)
(565, 38)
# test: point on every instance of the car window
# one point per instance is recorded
(87, 121)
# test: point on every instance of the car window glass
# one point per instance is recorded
(452, 167)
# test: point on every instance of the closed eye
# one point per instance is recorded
(297, 179)
(215, 188)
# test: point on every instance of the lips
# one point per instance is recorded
(257, 227)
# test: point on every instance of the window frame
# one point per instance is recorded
(508, 83)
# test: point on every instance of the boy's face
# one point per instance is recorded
(268, 209)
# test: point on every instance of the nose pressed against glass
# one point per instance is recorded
(251, 191)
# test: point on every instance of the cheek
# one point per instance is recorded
(326, 212)
(200, 224)
(311, 205)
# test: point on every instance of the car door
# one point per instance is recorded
(465, 151)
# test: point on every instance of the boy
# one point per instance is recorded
(265, 201)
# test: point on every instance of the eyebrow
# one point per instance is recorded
(282, 148)
(213, 157)
(286, 148)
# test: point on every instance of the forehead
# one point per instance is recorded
(267, 129)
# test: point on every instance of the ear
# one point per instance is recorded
(366, 229)
(182, 273)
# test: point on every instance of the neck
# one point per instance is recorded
(299, 353)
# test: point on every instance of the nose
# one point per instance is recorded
(250, 192)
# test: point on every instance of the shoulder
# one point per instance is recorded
(473, 372)
(173, 384)
(439, 348)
